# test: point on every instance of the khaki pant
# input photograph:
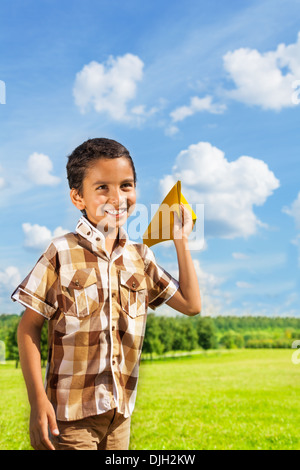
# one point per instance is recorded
(107, 431)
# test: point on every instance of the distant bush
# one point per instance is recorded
(232, 340)
(268, 343)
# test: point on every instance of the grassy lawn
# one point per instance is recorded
(14, 409)
(235, 399)
(239, 399)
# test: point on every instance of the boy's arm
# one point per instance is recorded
(42, 413)
(187, 298)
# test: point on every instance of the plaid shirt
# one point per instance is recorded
(96, 305)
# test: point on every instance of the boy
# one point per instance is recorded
(94, 287)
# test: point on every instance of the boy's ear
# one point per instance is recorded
(76, 199)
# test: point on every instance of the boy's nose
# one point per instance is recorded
(117, 200)
(113, 194)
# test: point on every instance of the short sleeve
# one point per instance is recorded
(38, 290)
(161, 285)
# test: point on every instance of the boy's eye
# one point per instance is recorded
(104, 186)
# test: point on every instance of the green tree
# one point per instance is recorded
(11, 343)
(152, 343)
(184, 335)
(206, 332)
(232, 340)
(7, 321)
(190, 335)
(12, 349)
(166, 335)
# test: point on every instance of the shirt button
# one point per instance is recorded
(98, 239)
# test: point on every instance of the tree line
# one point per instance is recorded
(165, 334)
(170, 334)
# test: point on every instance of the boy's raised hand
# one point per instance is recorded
(183, 226)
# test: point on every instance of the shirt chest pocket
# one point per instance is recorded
(133, 293)
(80, 296)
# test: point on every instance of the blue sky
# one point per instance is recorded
(205, 92)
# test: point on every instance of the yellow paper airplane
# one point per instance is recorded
(160, 228)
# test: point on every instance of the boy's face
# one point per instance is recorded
(108, 195)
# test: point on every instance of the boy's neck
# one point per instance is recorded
(111, 244)
(111, 235)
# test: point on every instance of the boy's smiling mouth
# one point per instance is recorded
(115, 212)
(111, 211)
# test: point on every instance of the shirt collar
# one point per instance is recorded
(97, 238)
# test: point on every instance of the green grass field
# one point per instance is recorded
(235, 399)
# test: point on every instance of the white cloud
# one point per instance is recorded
(265, 79)
(244, 285)
(110, 86)
(197, 105)
(213, 299)
(38, 237)
(141, 111)
(228, 190)
(240, 256)
(171, 130)
(207, 280)
(255, 264)
(10, 277)
(39, 169)
(294, 211)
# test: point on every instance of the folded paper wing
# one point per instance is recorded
(160, 228)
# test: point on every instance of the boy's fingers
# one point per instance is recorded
(45, 443)
(44, 438)
(33, 439)
(53, 425)
(38, 442)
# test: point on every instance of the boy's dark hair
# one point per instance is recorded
(83, 157)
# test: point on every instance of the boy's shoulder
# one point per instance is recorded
(59, 244)
(66, 241)
(70, 237)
